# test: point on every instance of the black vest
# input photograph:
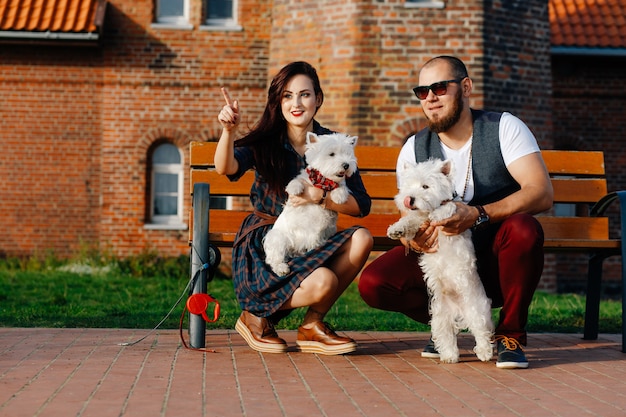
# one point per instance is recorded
(492, 180)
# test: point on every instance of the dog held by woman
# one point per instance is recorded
(298, 229)
(457, 298)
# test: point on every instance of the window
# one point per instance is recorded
(221, 12)
(424, 3)
(166, 199)
(175, 12)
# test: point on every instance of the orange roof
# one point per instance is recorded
(588, 23)
(573, 23)
(64, 16)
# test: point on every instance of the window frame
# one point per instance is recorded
(415, 4)
(174, 21)
(230, 23)
(166, 220)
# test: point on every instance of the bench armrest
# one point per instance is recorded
(605, 202)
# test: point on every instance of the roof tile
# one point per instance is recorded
(588, 23)
(76, 16)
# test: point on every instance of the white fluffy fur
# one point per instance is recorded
(305, 227)
(457, 297)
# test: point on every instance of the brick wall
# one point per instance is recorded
(516, 63)
(369, 54)
(50, 119)
(589, 114)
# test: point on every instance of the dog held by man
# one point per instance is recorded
(456, 295)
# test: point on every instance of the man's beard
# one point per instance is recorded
(446, 122)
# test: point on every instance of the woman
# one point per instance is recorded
(275, 149)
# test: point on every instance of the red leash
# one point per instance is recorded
(199, 304)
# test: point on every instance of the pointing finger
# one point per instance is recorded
(227, 96)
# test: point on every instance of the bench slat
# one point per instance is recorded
(580, 228)
(583, 228)
(376, 157)
(384, 158)
(569, 245)
(574, 162)
(220, 185)
(579, 190)
(201, 154)
(382, 185)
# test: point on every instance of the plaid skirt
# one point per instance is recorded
(258, 289)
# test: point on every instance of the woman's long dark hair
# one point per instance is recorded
(269, 134)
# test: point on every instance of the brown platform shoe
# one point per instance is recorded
(322, 339)
(260, 334)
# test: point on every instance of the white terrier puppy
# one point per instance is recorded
(457, 297)
(298, 229)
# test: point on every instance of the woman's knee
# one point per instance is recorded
(320, 285)
(363, 241)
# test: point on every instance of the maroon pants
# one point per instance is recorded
(510, 263)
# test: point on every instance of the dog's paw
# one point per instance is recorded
(484, 351)
(484, 356)
(449, 359)
(448, 352)
(295, 187)
(281, 269)
(395, 231)
(339, 195)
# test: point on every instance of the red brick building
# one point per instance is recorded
(101, 99)
(589, 103)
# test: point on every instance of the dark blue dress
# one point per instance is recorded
(258, 289)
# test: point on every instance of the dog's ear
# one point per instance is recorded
(311, 138)
(351, 140)
(446, 167)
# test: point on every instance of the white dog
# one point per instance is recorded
(457, 297)
(298, 229)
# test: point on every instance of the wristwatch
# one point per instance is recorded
(483, 219)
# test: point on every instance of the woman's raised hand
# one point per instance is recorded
(229, 115)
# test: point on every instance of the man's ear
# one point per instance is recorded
(467, 85)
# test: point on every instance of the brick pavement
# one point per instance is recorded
(85, 372)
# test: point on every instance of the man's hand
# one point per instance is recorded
(464, 217)
(425, 239)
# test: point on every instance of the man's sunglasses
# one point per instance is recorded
(438, 89)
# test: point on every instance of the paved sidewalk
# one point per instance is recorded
(85, 372)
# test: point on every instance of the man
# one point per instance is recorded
(502, 182)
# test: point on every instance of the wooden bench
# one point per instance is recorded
(578, 179)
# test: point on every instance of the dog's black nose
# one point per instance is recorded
(345, 165)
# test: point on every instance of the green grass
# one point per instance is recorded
(138, 293)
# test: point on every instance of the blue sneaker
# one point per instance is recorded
(430, 351)
(510, 354)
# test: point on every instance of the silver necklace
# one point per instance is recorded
(467, 174)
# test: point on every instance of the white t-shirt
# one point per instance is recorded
(516, 141)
